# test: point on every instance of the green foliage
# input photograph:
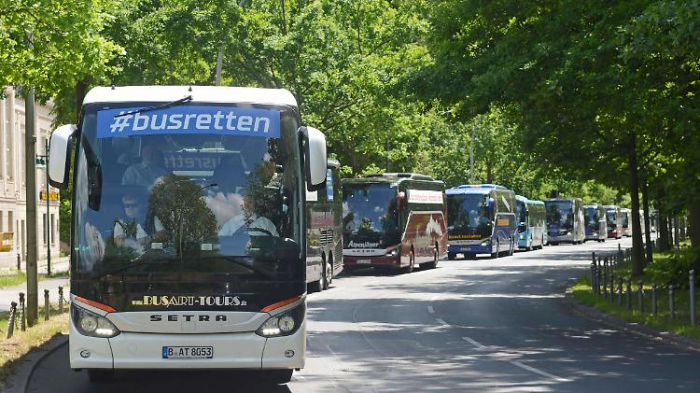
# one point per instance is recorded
(51, 44)
(673, 268)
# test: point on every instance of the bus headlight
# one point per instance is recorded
(485, 243)
(91, 324)
(283, 324)
(393, 253)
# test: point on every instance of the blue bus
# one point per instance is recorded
(480, 220)
(532, 223)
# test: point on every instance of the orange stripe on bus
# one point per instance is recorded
(283, 303)
(93, 303)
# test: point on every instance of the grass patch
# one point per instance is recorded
(10, 280)
(679, 325)
(21, 343)
(18, 278)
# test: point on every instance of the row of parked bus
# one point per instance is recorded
(404, 220)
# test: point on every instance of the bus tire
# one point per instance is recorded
(511, 250)
(100, 375)
(315, 286)
(451, 256)
(531, 245)
(327, 275)
(433, 264)
(411, 263)
(494, 255)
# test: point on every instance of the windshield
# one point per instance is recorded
(610, 216)
(591, 216)
(369, 214)
(625, 219)
(560, 213)
(187, 200)
(468, 215)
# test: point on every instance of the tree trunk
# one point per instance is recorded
(637, 244)
(662, 221)
(647, 222)
(694, 223)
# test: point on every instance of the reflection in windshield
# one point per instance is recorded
(467, 212)
(591, 215)
(560, 213)
(185, 198)
(369, 211)
(610, 215)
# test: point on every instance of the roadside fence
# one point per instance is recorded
(18, 319)
(611, 279)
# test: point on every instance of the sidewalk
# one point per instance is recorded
(11, 294)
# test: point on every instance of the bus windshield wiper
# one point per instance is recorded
(129, 265)
(237, 260)
(182, 100)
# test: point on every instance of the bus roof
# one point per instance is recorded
(562, 199)
(475, 189)
(391, 178)
(200, 94)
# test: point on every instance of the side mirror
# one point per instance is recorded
(315, 157)
(400, 200)
(59, 155)
(491, 202)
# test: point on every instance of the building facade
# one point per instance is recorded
(13, 189)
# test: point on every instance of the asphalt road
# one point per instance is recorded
(484, 325)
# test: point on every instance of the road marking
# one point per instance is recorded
(474, 343)
(537, 371)
(443, 323)
(517, 363)
(430, 310)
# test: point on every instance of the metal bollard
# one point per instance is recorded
(629, 294)
(671, 309)
(46, 305)
(605, 278)
(692, 297)
(612, 288)
(640, 295)
(619, 292)
(593, 277)
(654, 299)
(60, 300)
(11, 320)
(22, 313)
(19, 262)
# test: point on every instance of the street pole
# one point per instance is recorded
(48, 211)
(30, 181)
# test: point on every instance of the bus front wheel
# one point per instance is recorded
(494, 255)
(411, 263)
(451, 256)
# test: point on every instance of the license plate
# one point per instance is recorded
(188, 352)
(363, 262)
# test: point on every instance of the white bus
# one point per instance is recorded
(188, 229)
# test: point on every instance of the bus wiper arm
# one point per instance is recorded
(237, 261)
(128, 266)
(182, 100)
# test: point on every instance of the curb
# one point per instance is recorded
(19, 382)
(631, 327)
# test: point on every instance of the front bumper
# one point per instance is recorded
(242, 350)
(561, 239)
(381, 261)
(470, 249)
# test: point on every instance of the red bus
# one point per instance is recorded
(394, 221)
